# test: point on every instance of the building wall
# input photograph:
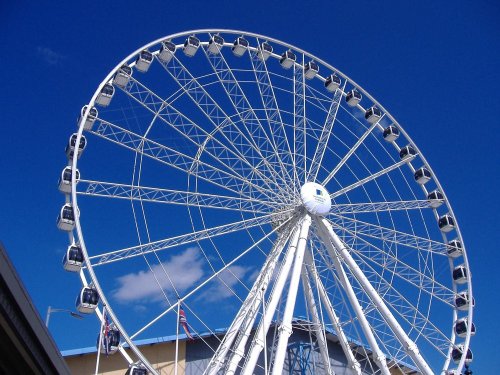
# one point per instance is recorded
(161, 356)
(194, 357)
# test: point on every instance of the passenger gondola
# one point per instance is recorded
(215, 44)
(66, 218)
(64, 183)
(446, 223)
(462, 301)
(105, 96)
(70, 147)
(240, 46)
(287, 59)
(422, 175)
(89, 121)
(457, 353)
(87, 300)
(265, 50)
(143, 61)
(460, 274)
(110, 340)
(73, 258)
(191, 45)
(311, 69)
(332, 82)
(373, 114)
(167, 51)
(435, 198)
(136, 369)
(407, 152)
(353, 98)
(391, 133)
(454, 248)
(122, 76)
(461, 326)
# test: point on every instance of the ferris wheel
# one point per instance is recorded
(229, 181)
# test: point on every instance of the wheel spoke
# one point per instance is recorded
(392, 264)
(299, 123)
(213, 112)
(273, 115)
(117, 255)
(165, 111)
(355, 208)
(358, 227)
(248, 117)
(325, 134)
(184, 198)
(175, 159)
(369, 178)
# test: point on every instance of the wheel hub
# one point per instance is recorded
(315, 198)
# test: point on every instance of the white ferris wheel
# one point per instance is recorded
(245, 182)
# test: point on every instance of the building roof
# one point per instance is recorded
(27, 346)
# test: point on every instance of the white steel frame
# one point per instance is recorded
(256, 151)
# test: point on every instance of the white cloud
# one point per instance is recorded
(49, 56)
(226, 281)
(184, 270)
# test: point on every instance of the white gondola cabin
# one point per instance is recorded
(462, 301)
(66, 218)
(391, 133)
(105, 96)
(143, 61)
(435, 198)
(287, 59)
(167, 51)
(461, 326)
(446, 223)
(240, 46)
(373, 115)
(64, 183)
(122, 76)
(70, 147)
(407, 152)
(73, 259)
(460, 274)
(87, 300)
(265, 50)
(422, 175)
(332, 82)
(353, 98)
(191, 45)
(136, 369)
(311, 69)
(454, 248)
(215, 44)
(110, 340)
(458, 352)
(89, 121)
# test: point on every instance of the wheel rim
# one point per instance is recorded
(266, 181)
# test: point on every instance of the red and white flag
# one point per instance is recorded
(184, 324)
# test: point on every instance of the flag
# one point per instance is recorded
(184, 324)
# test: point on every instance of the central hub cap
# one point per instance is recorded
(315, 198)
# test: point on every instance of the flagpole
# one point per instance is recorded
(100, 341)
(177, 337)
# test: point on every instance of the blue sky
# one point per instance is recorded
(433, 65)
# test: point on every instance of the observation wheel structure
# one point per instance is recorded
(231, 180)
